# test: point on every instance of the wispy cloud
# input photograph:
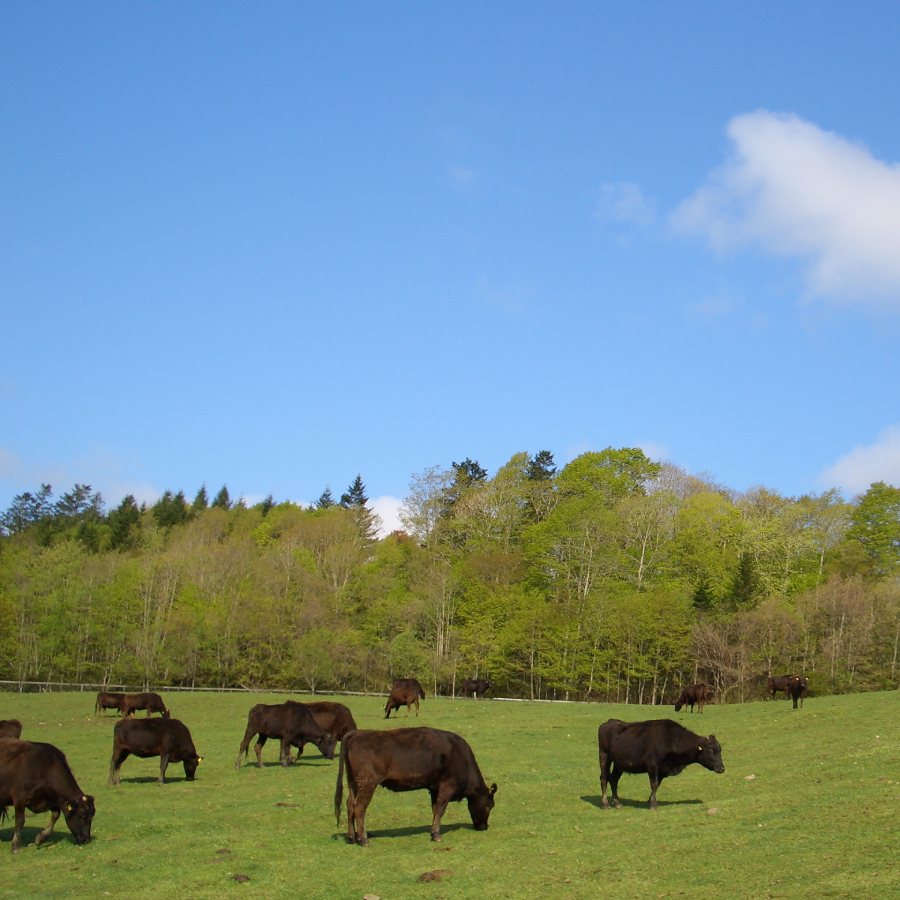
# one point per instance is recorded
(799, 191)
(625, 202)
(862, 466)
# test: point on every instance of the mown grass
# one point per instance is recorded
(818, 820)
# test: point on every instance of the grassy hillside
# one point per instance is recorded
(817, 820)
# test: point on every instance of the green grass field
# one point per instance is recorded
(817, 821)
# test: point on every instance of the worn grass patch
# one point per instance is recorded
(817, 821)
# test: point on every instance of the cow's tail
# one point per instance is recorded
(4, 813)
(339, 789)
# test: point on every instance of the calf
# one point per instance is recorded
(798, 689)
(107, 701)
(660, 747)
(10, 728)
(475, 686)
(779, 683)
(37, 777)
(167, 738)
(291, 723)
(696, 693)
(410, 759)
(404, 691)
(149, 701)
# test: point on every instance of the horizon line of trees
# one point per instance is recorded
(614, 577)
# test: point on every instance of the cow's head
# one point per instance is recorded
(191, 761)
(79, 814)
(480, 806)
(326, 745)
(711, 754)
(678, 704)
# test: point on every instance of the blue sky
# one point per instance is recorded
(279, 245)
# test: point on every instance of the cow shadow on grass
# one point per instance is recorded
(640, 804)
(151, 779)
(28, 834)
(410, 831)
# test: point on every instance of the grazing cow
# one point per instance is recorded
(779, 683)
(410, 759)
(149, 701)
(37, 777)
(475, 686)
(798, 689)
(333, 717)
(696, 693)
(167, 738)
(10, 728)
(291, 723)
(660, 747)
(404, 692)
(107, 701)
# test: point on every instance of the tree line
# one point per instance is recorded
(614, 577)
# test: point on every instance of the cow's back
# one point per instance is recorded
(333, 717)
(10, 728)
(26, 763)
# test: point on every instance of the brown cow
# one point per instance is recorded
(404, 691)
(10, 728)
(107, 701)
(167, 738)
(149, 701)
(779, 683)
(798, 689)
(37, 777)
(333, 717)
(410, 759)
(696, 693)
(291, 723)
(475, 686)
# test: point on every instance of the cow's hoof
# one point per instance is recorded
(616, 804)
(16, 849)
(436, 838)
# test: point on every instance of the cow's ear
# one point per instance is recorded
(493, 789)
(199, 760)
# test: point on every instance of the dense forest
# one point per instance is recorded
(614, 577)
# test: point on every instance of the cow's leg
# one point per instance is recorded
(285, 751)
(615, 773)
(363, 798)
(351, 809)
(653, 774)
(48, 830)
(439, 801)
(20, 823)
(245, 745)
(163, 765)
(115, 765)
(604, 778)
(260, 743)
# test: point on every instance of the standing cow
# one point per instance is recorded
(410, 759)
(331, 717)
(798, 689)
(167, 738)
(404, 692)
(107, 700)
(475, 686)
(660, 747)
(289, 722)
(153, 703)
(696, 693)
(37, 777)
(778, 683)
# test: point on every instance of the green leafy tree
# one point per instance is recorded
(613, 474)
(875, 524)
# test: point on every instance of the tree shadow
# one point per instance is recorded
(640, 804)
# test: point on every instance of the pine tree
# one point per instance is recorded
(222, 500)
(122, 522)
(326, 501)
(201, 501)
(540, 467)
(267, 504)
(171, 509)
(356, 494)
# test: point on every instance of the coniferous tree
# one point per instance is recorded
(356, 494)
(540, 467)
(122, 522)
(222, 500)
(171, 509)
(201, 501)
(267, 504)
(326, 500)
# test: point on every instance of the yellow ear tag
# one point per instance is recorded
(700, 749)
(84, 798)
(199, 760)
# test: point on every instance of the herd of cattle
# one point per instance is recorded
(36, 776)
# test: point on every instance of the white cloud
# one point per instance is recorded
(862, 466)
(625, 202)
(799, 191)
(388, 510)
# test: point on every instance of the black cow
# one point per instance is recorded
(37, 777)
(149, 701)
(107, 701)
(10, 728)
(404, 692)
(660, 747)
(779, 683)
(798, 689)
(167, 738)
(696, 693)
(475, 686)
(333, 717)
(410, 759)
(291, 723)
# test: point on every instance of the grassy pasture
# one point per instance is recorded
(817, 821)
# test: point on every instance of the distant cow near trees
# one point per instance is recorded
(10, 728)
(798, 689)
(661, 747)
(149, 701)
(778, 683)
(475, 686)
(37, 776)
(109, 700)
(404, 692)
(696, 693)
(410, 759)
